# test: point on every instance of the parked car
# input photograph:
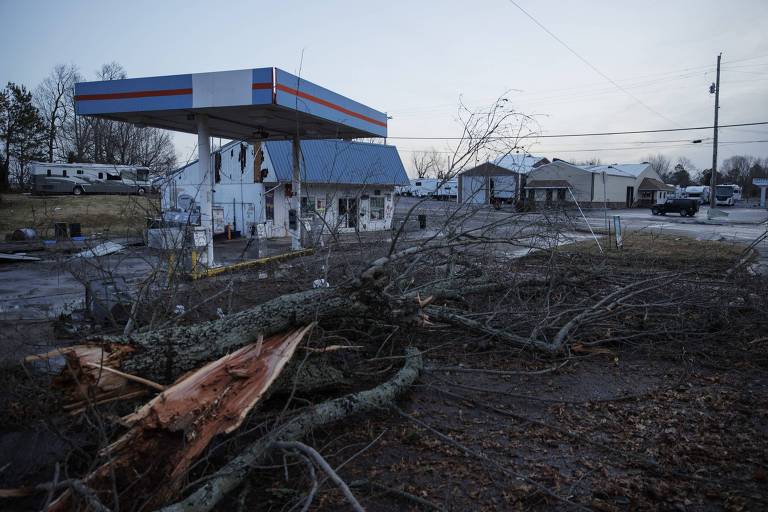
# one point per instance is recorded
(684, 207)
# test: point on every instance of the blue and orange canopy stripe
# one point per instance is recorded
(240, 101)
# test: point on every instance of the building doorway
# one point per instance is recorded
(348, 212)
(630, 196)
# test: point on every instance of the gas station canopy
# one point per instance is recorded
(249, 104)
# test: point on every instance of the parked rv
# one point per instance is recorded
(700, 193)
(727, 195)
(77, 179)
(446, 190)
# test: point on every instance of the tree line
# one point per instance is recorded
(41, 125)
(737, 170)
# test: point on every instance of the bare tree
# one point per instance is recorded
(53, 98)
(428, 164)
(737, 168)
(681, 175)
(589, 161)
(390, 303)
(661, 164)
(84, 139)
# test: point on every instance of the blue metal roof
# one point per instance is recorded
(339, 161)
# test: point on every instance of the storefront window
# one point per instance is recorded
(307, 205)
(377, 208)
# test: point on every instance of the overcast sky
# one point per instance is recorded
(415, 59)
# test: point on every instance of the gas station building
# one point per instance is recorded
(251, 105)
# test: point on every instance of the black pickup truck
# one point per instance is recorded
(684, 207)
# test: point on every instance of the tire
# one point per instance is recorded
(141, 191)
(77, 191)
(654, 212)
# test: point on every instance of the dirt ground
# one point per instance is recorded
(622, 430)
(97, 214)
(645, 424)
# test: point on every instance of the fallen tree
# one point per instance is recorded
(165, 354)
(232, 474)
(174, 428)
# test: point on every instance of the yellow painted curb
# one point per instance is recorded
(249, 264)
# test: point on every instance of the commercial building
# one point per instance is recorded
(615, 186)
(499, 180)
(346, 186)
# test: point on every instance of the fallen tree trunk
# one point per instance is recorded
(232, 475)
(164, 355)
(170, 432)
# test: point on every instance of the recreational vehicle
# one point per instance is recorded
(698, 192)
(77, 179)
(432, 187)
(727, 195)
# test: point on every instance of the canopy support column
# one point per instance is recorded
(205, 193)
(294, 221)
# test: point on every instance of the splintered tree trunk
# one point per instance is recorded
(164, 355)
(232, 475)
(176, 427)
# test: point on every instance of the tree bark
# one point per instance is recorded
(164, 355)
(232, 475)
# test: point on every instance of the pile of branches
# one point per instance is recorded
(242, 375)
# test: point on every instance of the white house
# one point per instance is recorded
(616, 185)
(499, 180)
(344, 185)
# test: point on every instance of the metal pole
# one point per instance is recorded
(605, 206)
(296, 194)
(206, 189)
(258, 194)
(713, 180)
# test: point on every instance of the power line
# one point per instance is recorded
(593, 67)
(642, 147)
(595, 134)
(569, 92)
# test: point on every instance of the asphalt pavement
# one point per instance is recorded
(741, 225)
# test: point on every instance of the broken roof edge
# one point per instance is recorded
(347, 143)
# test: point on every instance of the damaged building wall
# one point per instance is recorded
(346, 186)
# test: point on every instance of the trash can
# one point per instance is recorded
(422, 221)
(75, 230)
(24, 234)
(60, 230)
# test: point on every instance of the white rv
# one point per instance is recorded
(700, 193)
(727, 195)
(433, 187)
(77, 179)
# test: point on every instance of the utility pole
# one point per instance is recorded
(713, 180)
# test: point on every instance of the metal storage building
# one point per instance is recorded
(501, 179)
(617, 185)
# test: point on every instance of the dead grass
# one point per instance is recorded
(115, 215)
(650, 251)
